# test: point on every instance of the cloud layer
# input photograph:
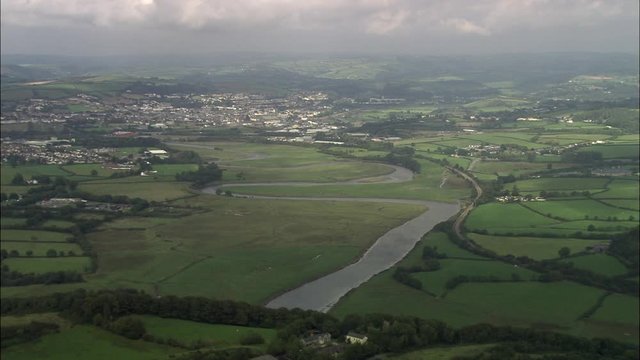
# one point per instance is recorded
(322, 19)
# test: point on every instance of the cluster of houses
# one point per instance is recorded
(56, 203)
(512, 198)
(51, 151)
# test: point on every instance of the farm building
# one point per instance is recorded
(355, 338)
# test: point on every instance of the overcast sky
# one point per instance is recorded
(116, 27)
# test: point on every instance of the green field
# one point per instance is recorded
(61, 224)
(618, 308)
(516, 168)
(212, 334)
(434, 281)
(532, 247)
(7, 221)
(40, 249)
(581, 209)
(34, 235)
(21, 320)
(616, 151)
(243, 249)
(498, 104)
(491, 216)
(599, 263)
(87, 342)
(443, 353)
(560, 184)
(147, 189)
(43, 265)
(425, 185)
(8, 172)
(620, 189)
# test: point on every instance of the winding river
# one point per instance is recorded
(321, 294)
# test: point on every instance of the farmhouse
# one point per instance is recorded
(316, 339)
(355, 338)
(162, 154)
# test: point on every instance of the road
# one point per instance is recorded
(457, 225)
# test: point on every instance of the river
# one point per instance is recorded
(321, 294)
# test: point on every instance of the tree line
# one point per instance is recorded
(110, 309)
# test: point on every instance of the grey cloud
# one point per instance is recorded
(327, 24)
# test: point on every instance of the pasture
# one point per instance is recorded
(8, 221)
(560, 184)
(581, 209)
(40, 248)
(616, 151)
(244, 249)
(532, 247)
(598, 263)
(435, 281)
(8, 172)
(212, 334)
(555, 306)
(443, 353)
(43, 265)
(620, 189)
(491, 216)
(146, 189)
(87, 342)
(424, 186)
(34, 235)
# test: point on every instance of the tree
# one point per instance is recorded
(564, 252)
(18, 179)
(29, 252)
(52, 253)
(252, 338)
(94, 172)
(128, 327)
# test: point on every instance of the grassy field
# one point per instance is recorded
(61, 224)
(40, 249)
(491, 216)
(618, 308)
(8, 172)
(43, 265)
(620, 189)
(20, 320)
(555, 306)
(434, 281)
(244, 249)
(533, 247)
(443, 353)
(425, 185)
(560, 184)
(87, 342)
(616, 151)
(498, 104)
(7, 221)
(599, 263)
(34, 235)
(190, 331)
(147, 189)
(85, 170)
(627, 204)
(504, 168)
(581, 209)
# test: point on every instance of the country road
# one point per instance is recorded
(457, 225)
